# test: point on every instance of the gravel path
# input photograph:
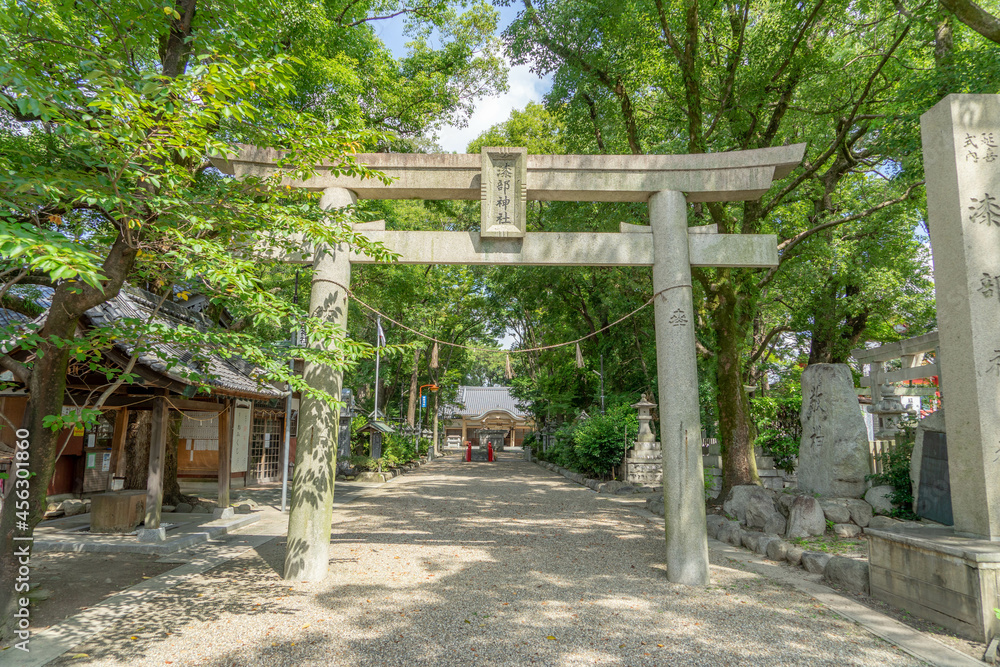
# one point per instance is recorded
(479, 564)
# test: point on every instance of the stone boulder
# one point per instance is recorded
(794, 555)
(861, 512)
(760, 508)
(835, 511)
(751, 539)
(750, 504)
(879, 497)
(730, 533)
(778, 549)
(815, 561)
(182, 508)
(833, 453)
(884, 523)
(713, 523)
(73, 507)
(764, 543)
(775, 524)
(846, 530)
(848, 573)
(785, 501)
(655, 504)
(805, 518)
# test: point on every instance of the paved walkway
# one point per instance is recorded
(469, 564)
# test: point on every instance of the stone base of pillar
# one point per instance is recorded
(145, 535)
(645, 464)
(949, 580)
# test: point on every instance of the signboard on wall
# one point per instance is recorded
(241, 436)
(66, 412)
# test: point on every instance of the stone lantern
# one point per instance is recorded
(645, 408)
(890, 409)
(644, 464)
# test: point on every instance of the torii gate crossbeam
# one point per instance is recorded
(666, 182)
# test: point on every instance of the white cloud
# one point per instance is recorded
(524, 87)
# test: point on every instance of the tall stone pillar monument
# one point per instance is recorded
(677, 377)
(309, 521)
(961, 140)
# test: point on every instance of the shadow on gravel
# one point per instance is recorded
(507, 564)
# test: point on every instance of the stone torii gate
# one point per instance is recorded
(504, 179)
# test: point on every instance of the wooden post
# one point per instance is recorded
(225, 439)
(157, 457)
(118, 443)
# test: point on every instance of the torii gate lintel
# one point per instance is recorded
(667, 183)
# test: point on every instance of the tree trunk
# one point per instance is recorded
(736, 432)
(171, 487)
(47, 384)
(24, 506)
(137, 442)
(411, 411)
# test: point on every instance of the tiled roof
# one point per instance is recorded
(229, 375)
(11, 317)
(477, 401)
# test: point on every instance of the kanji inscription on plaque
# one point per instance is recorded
(504, 190)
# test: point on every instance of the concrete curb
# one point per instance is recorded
(913, 642)
(596, 485)
(204, 533)
(387, 475)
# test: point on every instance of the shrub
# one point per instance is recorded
(363, 463)
(360, 444)
(600, 442)
(561, 452)
(397, 448)
(778, 428)
(896, 473)
(593, 446)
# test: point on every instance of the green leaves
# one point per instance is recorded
(41, 250)
(105, 160)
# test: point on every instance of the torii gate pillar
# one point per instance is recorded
(676, 372)
(307, 557)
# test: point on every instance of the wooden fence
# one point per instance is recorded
(876, 449)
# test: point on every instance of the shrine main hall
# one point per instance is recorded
(478, 410)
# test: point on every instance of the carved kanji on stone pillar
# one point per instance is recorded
(504, 192)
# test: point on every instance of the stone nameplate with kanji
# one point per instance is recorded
(504, 192)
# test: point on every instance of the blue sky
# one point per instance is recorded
(524, 87)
